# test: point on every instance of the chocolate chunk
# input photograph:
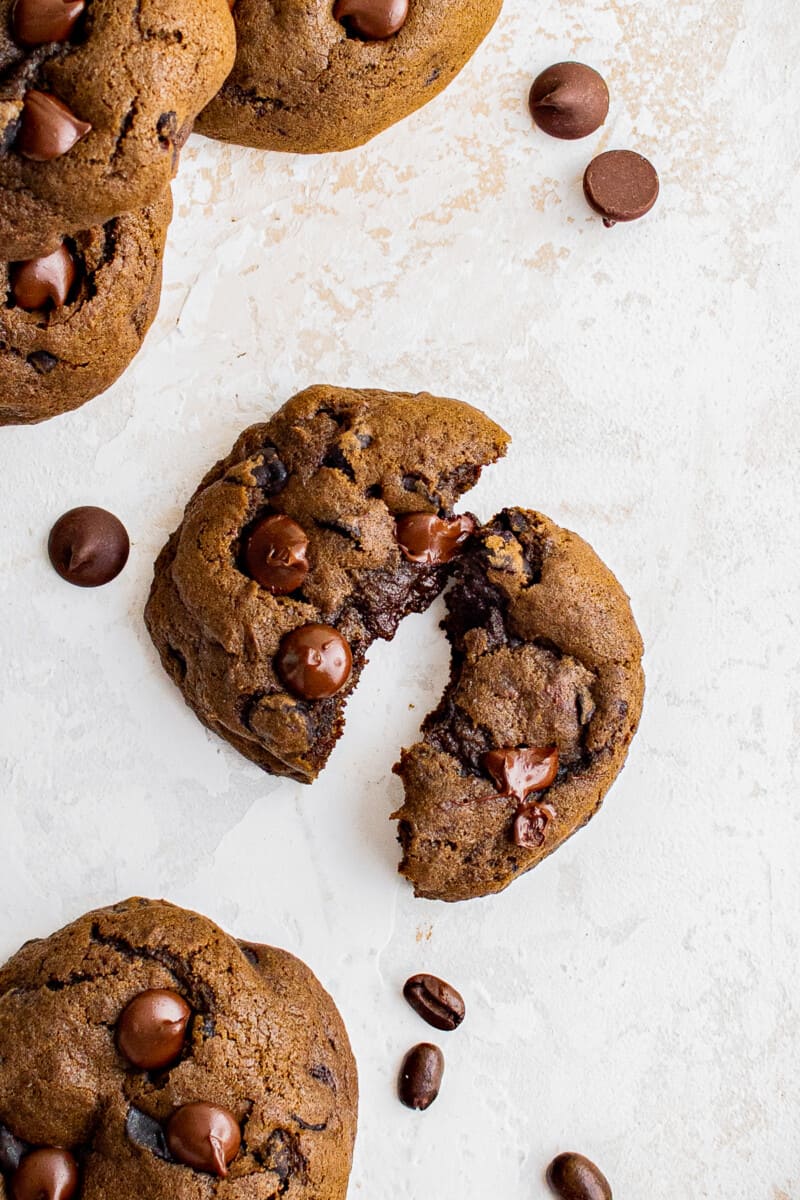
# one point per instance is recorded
(573, 1177)
(435, 1001)
(271, 474)
(204, 1136)
(275, 554)
(49, 129)
(569, 100)
(88, 546)
(421, 1076)
(42, 362)
(530, 825)
(37, 22)
(146, 1133)
(152, 1029)
(47, 1174)
(519, 772)
(314, 661)
(620, 185)
(426, 538)
(372, 20)
(12, 1149)
(42, 281)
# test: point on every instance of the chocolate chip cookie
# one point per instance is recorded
(544, 698)
(318, 75)
(73, 320)
(145, 1053)
(317, 534)
(96, 100)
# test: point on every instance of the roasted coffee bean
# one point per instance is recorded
(436, 1001)
(421, 1076)
(573, 1177)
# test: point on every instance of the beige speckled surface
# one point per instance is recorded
(636, 996)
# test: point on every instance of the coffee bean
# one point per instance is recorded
(573, 1177)
(436, 1001)
(421, 1076)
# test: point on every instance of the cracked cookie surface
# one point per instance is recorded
(264, 1041)
(305, 82)
(54, 359)
(136, 72)
(344, 466)
(544, 698)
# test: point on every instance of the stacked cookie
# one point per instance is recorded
(97, 97)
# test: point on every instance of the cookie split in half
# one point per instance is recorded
(313, 76)
(544, 698)
(144, 1052)
(73, 320)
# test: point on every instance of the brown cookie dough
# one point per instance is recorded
(266, 670)
(309, 83)
(544, 699)
(92, 122)
(55, 357)
(250, 1050)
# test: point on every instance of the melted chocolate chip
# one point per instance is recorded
(314, 661)
(40, 282)
(517, 773)
(152, 1029)
(530, 825)
(38, 22)
(49, 129)
(426, 538)
(204, 1136)
(275, 554)
(372, 20)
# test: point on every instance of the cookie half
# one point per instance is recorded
(97, 98)
(313, 76)
(545, 696)
(88, 309)
(297, 532)
(251, 1050)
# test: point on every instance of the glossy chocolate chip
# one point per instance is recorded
(47, 1174)
(40, 282)
(37, 22)
(275, 554)
(88, 546)
(426, 538)
(435, 1001)
(204, 1136)
(569, 100)
(518, 772)
(421, 1076)
(372, 20)
(314, 661)
(530, 825)
(152, 1029)
(49, 129)
(620, 185)
(573, 1177)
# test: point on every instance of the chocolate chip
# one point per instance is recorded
(435, 1001)
(42, 362)
(42, 281)
(152, 1029)
(421, 1076)
(620, 185)
(372, 20)
(530, 825)
(49, 129)
(314, 661)
(146, 1133)
(204, 1136)
(573, 1177)
(426, 538)
(12, 1149)
(569, 100)
(88, 546)
(37, 22)
(518, 772)
(47, 1174)
(271, 474)
(275, 554)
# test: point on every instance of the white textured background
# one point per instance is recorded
(637, 997)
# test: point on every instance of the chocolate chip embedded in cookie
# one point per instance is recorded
(73, 319)
(313, 76)
(145, 1053)
(535, 724)
(295, 554)
(96, 101)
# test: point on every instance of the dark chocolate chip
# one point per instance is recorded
(530, 825)
(275, 554)
(38, 22)
(314, 661)
(435, 1001)
(42, 282)
(421, 1076)
(372, 20)
(569, 100)
(426, 538)
(204, 1136)
(46, 1174)
(620, 185)
(88, 546)
(42, 362)
(152, 1029)
(271, 474)
(573, 1177)
(49, 129)
(146, 1133)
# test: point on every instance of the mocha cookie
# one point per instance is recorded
(318, 75)
(73, 320)
(317, 534)
(145, 1053)
(544, 698)
(96, 100)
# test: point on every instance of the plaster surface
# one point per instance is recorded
(636, 997)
